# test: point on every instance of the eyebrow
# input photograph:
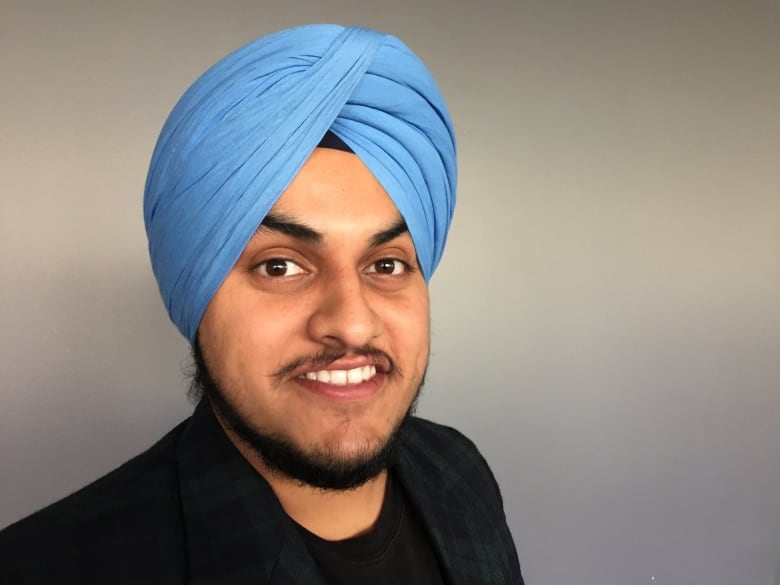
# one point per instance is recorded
(391, 233)
(284, 224)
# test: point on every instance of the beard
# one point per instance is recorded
(321, 468)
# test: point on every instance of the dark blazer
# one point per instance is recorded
(192, 510)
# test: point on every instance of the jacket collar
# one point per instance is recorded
(443, 475)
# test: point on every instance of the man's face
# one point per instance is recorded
(318, 337)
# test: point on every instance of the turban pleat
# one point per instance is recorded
(242, 131)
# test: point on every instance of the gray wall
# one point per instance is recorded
(606, 320)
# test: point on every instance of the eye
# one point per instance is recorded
(388, 266)
(276, 267)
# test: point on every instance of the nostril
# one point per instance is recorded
(344, 315)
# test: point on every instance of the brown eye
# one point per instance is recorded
(389, 266)
(276, 267)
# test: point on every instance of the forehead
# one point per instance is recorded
(335, 188)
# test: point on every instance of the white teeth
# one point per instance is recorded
(343, 377)
(355, 376)
(338, 377)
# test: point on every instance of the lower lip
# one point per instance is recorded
(346, 393)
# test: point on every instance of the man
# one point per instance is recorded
(297, 203)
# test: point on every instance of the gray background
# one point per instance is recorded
(606, 320)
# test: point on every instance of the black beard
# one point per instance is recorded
(321, 469)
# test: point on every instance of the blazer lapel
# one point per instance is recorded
(294, 564)
(236, 530)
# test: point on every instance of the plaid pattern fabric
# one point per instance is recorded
(192, 510)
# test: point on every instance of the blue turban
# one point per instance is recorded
(242, 131)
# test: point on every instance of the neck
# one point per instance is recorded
(330, 514)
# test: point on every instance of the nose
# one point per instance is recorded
(344, 316)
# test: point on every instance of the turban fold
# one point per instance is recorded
(242, 131)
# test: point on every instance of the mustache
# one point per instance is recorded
(327, 355)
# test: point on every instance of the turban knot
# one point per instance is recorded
(243, 130)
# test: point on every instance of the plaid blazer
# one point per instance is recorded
(192, 510)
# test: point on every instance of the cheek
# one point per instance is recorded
(409, 325)
(240, 332)
(263, 335)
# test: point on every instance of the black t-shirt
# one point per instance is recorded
(398, 550)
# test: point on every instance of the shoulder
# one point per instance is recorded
(451, 453)
(454, 488)
(133, 509)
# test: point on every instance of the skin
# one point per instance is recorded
(332, 275)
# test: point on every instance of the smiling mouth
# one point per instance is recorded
(342, 377)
